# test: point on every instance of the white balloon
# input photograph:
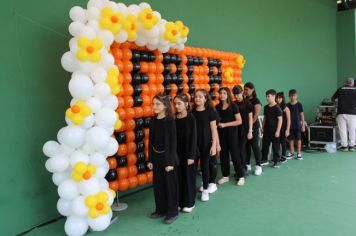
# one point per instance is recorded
(93, 13)
(81, 87)
(163, 49)
(104, 184)
(94, 25)
(72, 136)
(107, 61)
(87, 149)
(100, 223)
(144, 5)
(95, 3)
(133, 9)
(59, 162)
(48, 166)
(72, 43)
(77, 14)
(110, 130)
(66, 149)
(89, 187)
(156, 13)
(151, 47)
(122, 8)
(64, 207)
(98, 75)
(100, 173)
(86, 67)
(75, 28)
(88, 32)
(68, 62)
(106, 117)
(97, 159)
(78, 156)
(76, 226)
(78, 206)
(97, 138)
(88, 122)
(141, 40)
(59, 177)
(73, 101)
(121, 37)
(107, 37)
(101, 90)
(111, 148)
(111, 197)
(154, 41)
(111, 102)
(94, 103)
(106, 166)
(68, 190)
(51, 148)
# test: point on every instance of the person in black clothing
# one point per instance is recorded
(163, 159)
(245, 129)
(346, 118)
(228, 135)
(187, 152)
(281, 101)
(250, 93)
(208, 140)
(272, 123)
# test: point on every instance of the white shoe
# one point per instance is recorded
(248, 167)
(188, 209)
(205, 195)
(258, 170)
(201, 189)
(212, 188)
(223, 180)
(241, 182)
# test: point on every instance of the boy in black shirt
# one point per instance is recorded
(272, 123)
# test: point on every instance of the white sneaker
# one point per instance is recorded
(223, 180)
(241, 182)
(188, 209)
(248, 167)
(212, 188)
(205, 195)
(258, 170)
(201, 189)
(290, 156)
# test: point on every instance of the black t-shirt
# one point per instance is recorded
(271, 115)
(227, 115)
(284, 124)
(203, 119)
(245, 109)
(295, 116)
(158, 136)
(186, 137)
(255, 101)
(346, 100)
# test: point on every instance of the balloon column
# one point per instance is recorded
(120, 57)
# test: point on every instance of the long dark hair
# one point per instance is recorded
(237, 89)
(281, 95)
(251, 86)
(208, 103)
(166, 102)
(229, 97)
(184, 98)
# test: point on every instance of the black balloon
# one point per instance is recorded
(147, 122)
(218, 63)
(213, 96)
(218, 79)
(167, 69)
(137, 101)
(139, 124)
(190, 70)
(111, 175)
(137, 90)
(212, 87)
(144, 56)
(200, 61)
(144, 78)
(121, 161)
(219, 71)
(136, 67)
(178, 59)
(140, 157)
(121, 137)
(191, 88)
(151, 57)
(141, 168)
(190, 79)
(211, 70)
(167, 89)
(135, 56)
(166, 58)
(179, 70)
(167, 79)
(180, 88)
(190, 60)
(173, 58)
(180, 79)
(196, 61)
(174, 78)
(136, 79)
(139, 136)
(140, 147)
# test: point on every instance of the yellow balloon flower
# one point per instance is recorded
(111, 20)
(118, 124)
(228, 75)
(241, 61)
(82, 171)
(130, 26)
(97, 204)
(171, 33)
(147, 18)
(113, 81)
(183, 30)
(89, 50)
(78, 112)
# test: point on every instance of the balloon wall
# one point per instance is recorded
(120, 57)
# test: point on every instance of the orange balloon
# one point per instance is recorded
(159, 78)
(130, 136)
(184, 59)
(123, 184)
(133, 181)
(151, 67)
(126, 44)
(122, 128)
(174, 88)
(151, 78)
(205, 61)
(142, 179)
(185, 79)
(126, 54)
(130, 124)
(114, 185)
(146, 154)
(131, 159)
(184, 69)
(144, 67)
(149, 175)
(132, 170)
(130, 113)
(145, 89)
(146, 133)
(128, 101)
(116, 52)
(138, 112)
(147, 110)
(121, 113)
(173, 68)
(153, 90)
(112, 162)
(127, 78)
(160, 88)
(128, 89)
(159, 56)
(119, 64)
(121, 78)
(146, 99)
(121, 101)
(159, 68)
(131, 147)
(185, 88)
(122, 151)
(128, 66)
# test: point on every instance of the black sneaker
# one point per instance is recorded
(275, 165)
(283, 160)
(352, 149)
(299, 156)
(344, 149)
(290, 156)
(170, 220)
(264, 163)
(156, 215)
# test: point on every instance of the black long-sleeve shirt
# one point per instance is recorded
(186, 138)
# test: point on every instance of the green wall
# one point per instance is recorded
(287, 44)
(346, 45)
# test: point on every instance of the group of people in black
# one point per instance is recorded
(196, 132)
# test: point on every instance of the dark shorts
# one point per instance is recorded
(295, 134)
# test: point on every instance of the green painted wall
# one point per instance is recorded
(346, 45)
(287, 44)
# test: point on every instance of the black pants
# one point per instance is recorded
(242, 150)
(207, 167)
(187, 185)
(269, 138)
(283, 140)
(228, 137)
(253, 143)
(165, 187)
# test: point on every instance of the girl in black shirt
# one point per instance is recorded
(207, 139)
(163, 159)
(228, 134)
(281, 101)
(250, 93)
(187, 150)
